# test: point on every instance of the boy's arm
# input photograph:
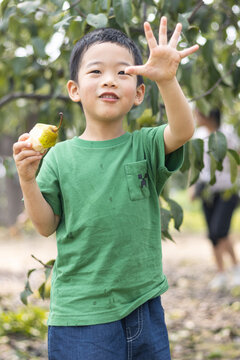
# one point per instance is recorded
(180, 126)
(38, 209)
(161, 67)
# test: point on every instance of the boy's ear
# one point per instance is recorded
(73, 91)
(139, 94)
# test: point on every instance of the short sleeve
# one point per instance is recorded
(48, 183)
(162, 166)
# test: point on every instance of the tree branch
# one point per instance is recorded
(19, 95)
(195, 10)
(74, 4)
(209, 91)
(78, 10)
(42, 263)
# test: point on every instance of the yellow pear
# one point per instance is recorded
(44, 136)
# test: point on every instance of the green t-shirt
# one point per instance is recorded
(109, 236)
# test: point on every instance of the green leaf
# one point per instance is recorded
(235, 155)
(226, 78)
(176, 212)
(186, 161)
(166, 235)
(183, 19)
(59, 3)
(50, 262)
(154, 94)
(28, 7)
(213, 168)
(47, 272)
(165, 219)
(187, 76)
(25, 293)
(217, 145)
(19, 64)
(65, 22)
(219, 165)
(39, 47)
(213, 73)
(122, 11)
(207, 50)
(194, 175)
(150, 2)
(146, 119)
(197, 147)
(103, 4)
(136, 112)
(196, 155)
(233, 165)
(4, 6)
(8, 14)
(41, 290)
(203, 105)
(192, 33)
(97, 21)
(30, 272)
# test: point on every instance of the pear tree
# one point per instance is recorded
(36, 40)
(37, 37)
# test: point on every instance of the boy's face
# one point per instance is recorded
(105, 91)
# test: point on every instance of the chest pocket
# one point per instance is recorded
(137, 180)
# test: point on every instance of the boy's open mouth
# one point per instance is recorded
(109, 95)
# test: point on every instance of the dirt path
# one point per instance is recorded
(202, 324)
(16, 259)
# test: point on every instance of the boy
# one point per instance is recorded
(99, 191)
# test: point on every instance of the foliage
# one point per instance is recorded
(37, 37)
(29, 322)
(36, 40)
(217, 149)
(42, 290)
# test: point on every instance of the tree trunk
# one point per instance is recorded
(11, 205)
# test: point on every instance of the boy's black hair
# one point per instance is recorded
(215, 115)
(101, 36)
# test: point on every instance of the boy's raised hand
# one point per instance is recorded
(164, 57)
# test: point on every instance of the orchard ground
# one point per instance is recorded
(202, 324)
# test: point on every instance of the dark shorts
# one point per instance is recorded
(218, 214)
(142, 335)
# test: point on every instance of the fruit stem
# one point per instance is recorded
(61, 120)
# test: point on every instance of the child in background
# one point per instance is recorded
(99, 192)
(218, 203)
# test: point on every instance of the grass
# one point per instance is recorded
(28, 321)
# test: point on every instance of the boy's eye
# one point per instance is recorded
(95, 72)
(122, 72)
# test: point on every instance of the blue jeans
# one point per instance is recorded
(142, 335)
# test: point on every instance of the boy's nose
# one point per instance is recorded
(109, 84)
(109, 81)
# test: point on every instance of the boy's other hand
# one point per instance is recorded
(164, 57)
(27, 160)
